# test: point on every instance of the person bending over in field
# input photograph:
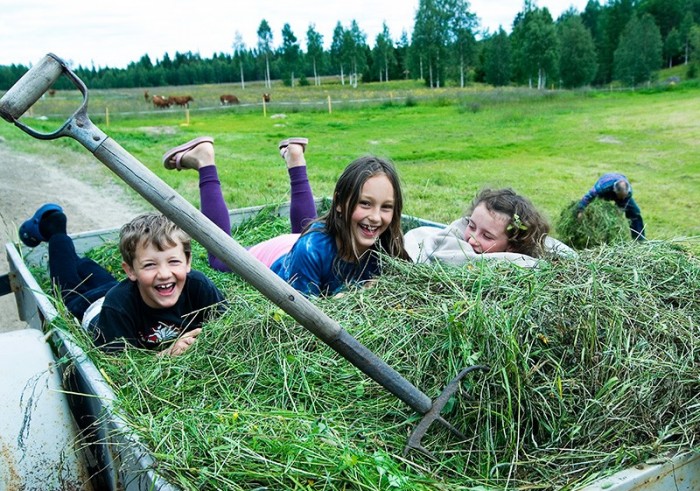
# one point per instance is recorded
(615, 187)
(324, 254)
(500, 225)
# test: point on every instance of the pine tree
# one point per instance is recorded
(291, 53)
(497, 59)
(577, 60)
(638, 55)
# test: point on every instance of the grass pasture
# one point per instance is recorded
(446, 143)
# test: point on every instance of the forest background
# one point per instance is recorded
(619, 42)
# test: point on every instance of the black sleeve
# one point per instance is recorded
(206, 294)
(116, 324)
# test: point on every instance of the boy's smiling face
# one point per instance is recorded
(160, 275)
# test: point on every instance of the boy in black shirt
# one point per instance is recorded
(160, 306)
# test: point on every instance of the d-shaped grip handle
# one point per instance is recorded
(29, 89)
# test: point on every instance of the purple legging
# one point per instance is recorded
(302, 207)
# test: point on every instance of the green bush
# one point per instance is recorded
(602, 223)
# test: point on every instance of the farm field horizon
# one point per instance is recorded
(447, 144)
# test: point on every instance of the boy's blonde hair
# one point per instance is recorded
(151, 228)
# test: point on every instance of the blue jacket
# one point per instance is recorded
(605, 188)
(314, 268)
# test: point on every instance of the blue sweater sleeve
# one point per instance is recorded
(587, 198)
(603, 188)
(314, 268)
(305, 269)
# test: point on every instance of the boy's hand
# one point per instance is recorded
(182, 344)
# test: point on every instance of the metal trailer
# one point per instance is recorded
(58, 430)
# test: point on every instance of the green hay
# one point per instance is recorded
(594, 368)
(602, 223)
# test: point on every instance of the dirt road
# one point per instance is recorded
(78, 182)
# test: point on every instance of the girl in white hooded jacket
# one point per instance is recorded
(501, 225)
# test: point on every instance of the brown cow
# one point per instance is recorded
(160, 101)
(266, 97)
(227, 99)
(52, 92)
(181, 100)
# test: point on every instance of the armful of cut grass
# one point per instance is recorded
(600, 223)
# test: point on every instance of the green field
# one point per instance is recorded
(447, 144)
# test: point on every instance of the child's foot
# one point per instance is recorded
(52, 223)
(30, 231)
(194, 154)
(292, 151)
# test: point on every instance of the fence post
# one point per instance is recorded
(330, 108)
(187, 116)
(264, 107)
(106, 116)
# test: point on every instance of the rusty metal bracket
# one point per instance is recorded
(414, 441)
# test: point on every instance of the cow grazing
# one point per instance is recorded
(227, 99)
(266, 97)
(52, 92)
(181, 100)
(160, 102)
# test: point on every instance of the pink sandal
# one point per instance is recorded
(181, 150)
(289, 141)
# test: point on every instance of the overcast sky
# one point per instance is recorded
(116, 32)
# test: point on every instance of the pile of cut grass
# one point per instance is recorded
(602, 223)
(594, 368)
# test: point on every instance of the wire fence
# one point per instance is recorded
(107, 105)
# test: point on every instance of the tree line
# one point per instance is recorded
(625, 41)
